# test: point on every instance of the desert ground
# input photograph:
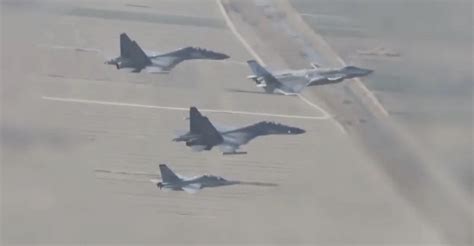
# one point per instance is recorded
(80, 139)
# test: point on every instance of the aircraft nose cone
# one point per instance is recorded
(221, 56)
(353, 71)
(216, 55)
(365, 72)
(297, 131)
(362, 72)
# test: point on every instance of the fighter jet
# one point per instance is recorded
(174, 181)
(204, 136)
(134, 58)
(291, 82)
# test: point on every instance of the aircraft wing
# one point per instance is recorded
(295, 84)
(165, 63)
(224, 128)
(270, 78)
(238, 137)
(315, 80)
(192, 188)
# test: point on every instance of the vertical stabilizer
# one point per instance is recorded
(133, 54)
(125, 45)
(263, 75)
(167, 175)
(257, 69)
(201, 125)
(194, 117)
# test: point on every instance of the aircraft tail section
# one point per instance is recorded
(201, 125)
(125, 45)
(263, 77)
(194, 118)
(131, 50)
(167, 175)
(257, 69)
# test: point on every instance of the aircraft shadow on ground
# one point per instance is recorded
(264, 184)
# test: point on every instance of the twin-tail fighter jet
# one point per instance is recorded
(204, 136)
(173, 181)
(135, 59)
(291, 82)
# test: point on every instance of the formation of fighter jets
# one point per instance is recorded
(203, 135)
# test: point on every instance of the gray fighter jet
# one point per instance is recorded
(292, 82)
(174, 181)
(204, 136)
(134, 58)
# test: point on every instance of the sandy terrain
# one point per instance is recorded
(61, 160)
(427, 87)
